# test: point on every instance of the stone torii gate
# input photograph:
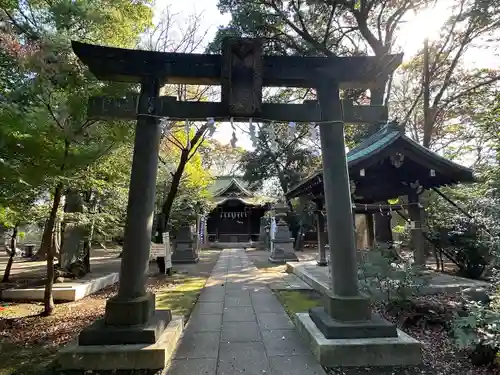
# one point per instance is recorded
(242, 71)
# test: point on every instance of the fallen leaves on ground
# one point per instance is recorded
(427, 320)
(23, 331)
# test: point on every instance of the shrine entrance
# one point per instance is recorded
(236, 216)
(242, 71)
(232, 221)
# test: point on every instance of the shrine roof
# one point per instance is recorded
(223, 183)
(226, 188)
(389, 141)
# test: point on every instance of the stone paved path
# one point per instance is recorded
(239, 327)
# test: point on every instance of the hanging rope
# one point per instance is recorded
(379, 208)
(239, 119)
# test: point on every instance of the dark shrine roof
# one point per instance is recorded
(226, 188)
(223, 183)
(377, 178)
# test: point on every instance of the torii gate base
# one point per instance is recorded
(133, 334)
(402, 350)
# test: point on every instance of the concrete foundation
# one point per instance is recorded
(63, 292)
(124, 357)
(317, 278)
(185, 252)
(99, 333)
(375, 327)
(402, 350)
(233, 245)
(282, 253)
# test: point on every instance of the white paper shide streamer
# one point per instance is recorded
(211, 126)
(314, 132)
(292, 128)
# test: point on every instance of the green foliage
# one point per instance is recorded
(45, 135)
(289, 161)
(192, 197)
(469, 247)
(474, 242)
(477, 329)
(298, 301)
(384, 276)
(108, 181)
(220, 159)
(480, 327)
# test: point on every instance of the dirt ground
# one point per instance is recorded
(25, 272)
(28, 342)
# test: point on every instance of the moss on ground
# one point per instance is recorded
(182, 297)
(30, 361)
(297, 301)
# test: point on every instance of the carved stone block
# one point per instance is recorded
(241, 76)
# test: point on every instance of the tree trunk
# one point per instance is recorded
(13, 247)
(87, 244)
(2, 236)
(74, 231)
(174, 187)
(176, 179)
(48, 249)
(58, 239)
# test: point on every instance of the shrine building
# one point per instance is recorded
(237, 212)
(385, 166)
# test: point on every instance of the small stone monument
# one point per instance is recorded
(282, 249)
(168, 253)
(185, 250)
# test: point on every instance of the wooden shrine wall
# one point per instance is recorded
(234, 223)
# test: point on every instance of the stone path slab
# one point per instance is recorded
(275, 276)
(239, 327)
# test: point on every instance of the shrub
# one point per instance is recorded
(472, 239)
(479, 330)
(385, 276)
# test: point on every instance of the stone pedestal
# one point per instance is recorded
(401, 350)
(344, 332)
(185, 247)
(132, 334)
(124, 357)
(282, 245)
